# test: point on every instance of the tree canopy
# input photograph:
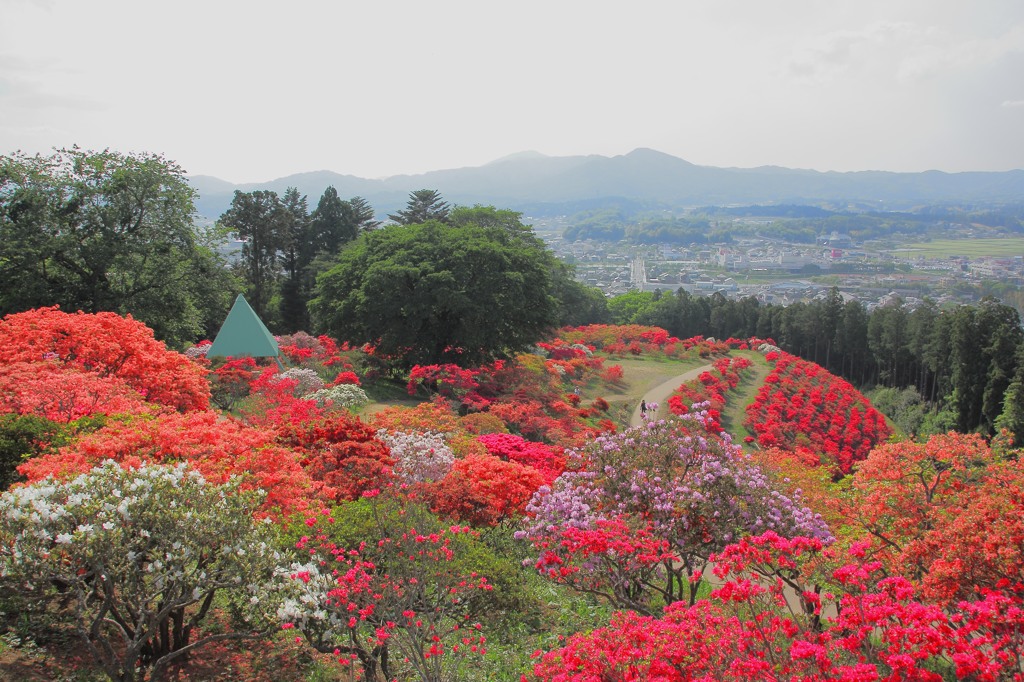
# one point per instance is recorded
(105, 231)
(437, 293)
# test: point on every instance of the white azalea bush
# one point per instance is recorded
(136, 557)
(307, 380)
(342, 397)
(419, 457)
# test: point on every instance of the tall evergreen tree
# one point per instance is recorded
(424, 205)
(260, 220)
(295, 235)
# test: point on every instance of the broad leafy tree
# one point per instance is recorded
(433, 293)
(104, 231)
(424, 205)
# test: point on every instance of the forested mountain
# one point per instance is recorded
(542, 185)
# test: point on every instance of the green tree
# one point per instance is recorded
(361, 215)
(423, 205)
(336, 222)
(295, 233)
(434, 293)
(578, 303)
(630, 307)
(327, 225)
(104, 231)
(260, 220)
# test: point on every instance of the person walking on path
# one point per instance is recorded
(659, 394)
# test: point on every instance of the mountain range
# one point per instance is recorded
(541, 185)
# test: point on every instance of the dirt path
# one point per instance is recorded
(660, 393)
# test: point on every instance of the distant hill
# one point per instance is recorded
(549, 185)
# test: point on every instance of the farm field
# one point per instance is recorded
(971, 248)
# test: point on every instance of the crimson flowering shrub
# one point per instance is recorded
(215, 447)
(609, 558)
(674, 480)
(107, 345)
(748, 629)
(619, 339)
(548, 460)
(274, 404)
(802, 404)
(342, 456)
(232, 381)
(398, 606)
(450, 381)
(945, 513)
(311, 352)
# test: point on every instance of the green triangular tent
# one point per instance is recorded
(243, 335)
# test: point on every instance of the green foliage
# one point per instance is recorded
(291, 306)
(25, 436)
(435, 294)
(262, 221)
(904, 407)
(103, 231)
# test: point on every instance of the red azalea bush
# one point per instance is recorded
(403, 602)
(745, 630)
(548, 460)
(107, 345)
(802, 404)
(451, 381)
(946, 513)
(710, 387)
(273, 403)
(342, 457)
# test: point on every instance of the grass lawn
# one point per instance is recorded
(639, 375)
(737, 399)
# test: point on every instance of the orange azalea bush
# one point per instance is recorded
(947, 513)
(107, 345)
(215, 447)
(64, 394)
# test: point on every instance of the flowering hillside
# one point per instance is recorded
(800, 405)
(183, 518)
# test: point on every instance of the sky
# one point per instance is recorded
(250, 91)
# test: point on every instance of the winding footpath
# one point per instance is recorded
(660, 393)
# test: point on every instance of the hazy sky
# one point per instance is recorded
(252, 90)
